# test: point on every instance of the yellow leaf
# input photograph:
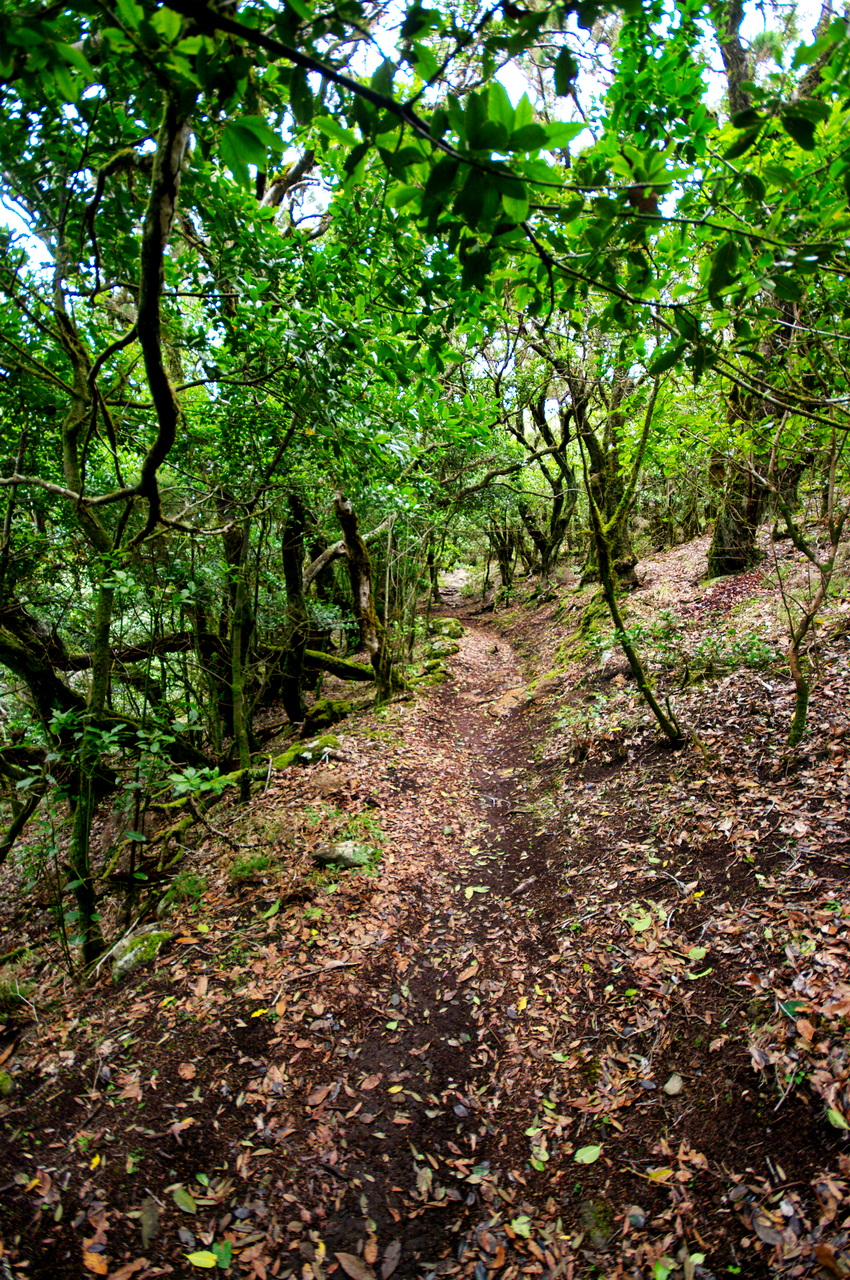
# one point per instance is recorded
(258, 1013)
(203, 1258)
(396, 1088)
(96, 1263)
(94, 1162)
(521, 1003)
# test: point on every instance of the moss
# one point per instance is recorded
(138, 949)
(306, 752)
(326, 712)
(449, 627)
(7, 1084)
(441, 648)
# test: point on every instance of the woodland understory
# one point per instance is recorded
(423, 639)
(583, 1014)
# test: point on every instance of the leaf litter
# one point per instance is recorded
(584, 1013)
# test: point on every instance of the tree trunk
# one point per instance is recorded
(360, 576)
(733, 545)
(297, 622)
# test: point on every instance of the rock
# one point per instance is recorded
(597, 1219)
(138, 948)
(326, 712)
(439, 676)
(447, 627)
(674, 1085)
(441, 648)
(306, 752)
(346, 854)
(636, 1216)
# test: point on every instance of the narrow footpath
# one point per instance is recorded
(443, 1068)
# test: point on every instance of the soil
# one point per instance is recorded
(586, 1017)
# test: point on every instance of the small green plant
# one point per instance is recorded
(314, 913)
(187, 887)
(364, 827)
(13, 992)
(198, 782)
(247, 865)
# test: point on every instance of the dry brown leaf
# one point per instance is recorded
(391, 1257)
(97, 1263)
(318, 1095)
(468, 973)
(371, 1081)
(186, 1071)
(129, 1269)
(355, 1267)
(370, 1251)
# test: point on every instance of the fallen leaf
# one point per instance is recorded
(129, 1269)
(355, 1267)
(392, 1253)
(97, 1263)
(184, 1200)
(203, 1258)
(587, 1155)
(371, 1081)
(186, 1071)
(468, 973)
(318, 1095)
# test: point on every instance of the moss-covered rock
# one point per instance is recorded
(440, 676)
(138, 948)
(441, 648)
(325, 712)
(597, 1219)
(306, 752)
(449, 627)
(7, 1084)
(346, 854)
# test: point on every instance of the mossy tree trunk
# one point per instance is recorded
(602, 530)
(372, 633)
(297, 622)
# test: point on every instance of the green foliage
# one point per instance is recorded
(246, 865)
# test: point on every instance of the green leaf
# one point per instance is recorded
(331, 128)
(184, 1200)
(203, 1258)
(223, 1254)
(723, 267)
(398, 197)
(521, 1226)
(743, 143)
(300, 96)
(801, 130)
(516, 207)
(697, 953)
(587, 1155)
(382, 79)
(272, 911)
(746, 119)
(565, 72)
(779, 175)
(561, 133)
(668, 356)
(836, 1119)
(529, 137)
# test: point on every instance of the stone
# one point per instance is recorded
(674, 1085)
(597, 1220)
(636, 1216)
(346, 854)
(138, 948)
(306, 752)
(326, 712)
(447, 627)
(441, 648)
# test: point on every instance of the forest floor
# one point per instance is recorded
(588, 1015)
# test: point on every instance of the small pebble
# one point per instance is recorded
(674, 1085)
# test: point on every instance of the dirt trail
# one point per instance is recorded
(484, 1061)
